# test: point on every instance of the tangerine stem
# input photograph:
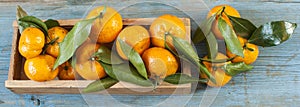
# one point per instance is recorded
(47, 45)
(223, 10)
(218, 60)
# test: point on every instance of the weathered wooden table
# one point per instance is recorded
(275, 80)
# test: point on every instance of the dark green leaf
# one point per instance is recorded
(36, 21)
(134, 58)
(206, 26)
(186, 50)
(242, 27)
(272, 33)
(105, 55)
(100, 85)
(124, 72)
(73, 40)
(198, 36)
(51, 23)
(231, 40)
(108, 70)
(24, 25)
(182, 79)
(212, 46)
(233, 69)
(20, 12)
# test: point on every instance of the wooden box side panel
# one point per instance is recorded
(75, 87)
(16, 60)
(19, 83)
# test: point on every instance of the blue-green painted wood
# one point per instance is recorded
(273, 82)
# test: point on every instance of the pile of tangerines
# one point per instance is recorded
(41, 50)
(158, 60)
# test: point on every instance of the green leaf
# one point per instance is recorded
(242, 27)
(204, 70)
(124, 72)
(211, 41)
(134, 58)
(51, 23)
(217, 60)
(73, 61)
(231, 40)
(23, 25)
(180, 78)
(186, 50)
(100, 85)
(73, 40)
(198, 36)
(20, 12)
(272, 33)
(31, 20)
(105, 55)
(37, 21)
(206, 26)
(212, 46)
(233, 69)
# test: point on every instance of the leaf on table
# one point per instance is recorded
(51, 23)
(134, 57)
(20, 12)
(100, 85)
(78, 34)
(233, 69)
(231, 40)
(180, 78)
(125, 72)
(105, 55)
(272, 33)
(242, 27)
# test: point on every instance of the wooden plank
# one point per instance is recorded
(74, 87)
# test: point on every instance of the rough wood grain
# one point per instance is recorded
(273, 82)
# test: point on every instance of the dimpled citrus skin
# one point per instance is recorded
(136, 36)
(215, 69)
(40, 67)
(66, 72)
(31, 42)
(90, 70)
(166, 24)
(87, 67)
(109, 26)
(228, 10)
(53, 33)
(159, 62)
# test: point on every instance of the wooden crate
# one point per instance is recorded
(18, 82)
